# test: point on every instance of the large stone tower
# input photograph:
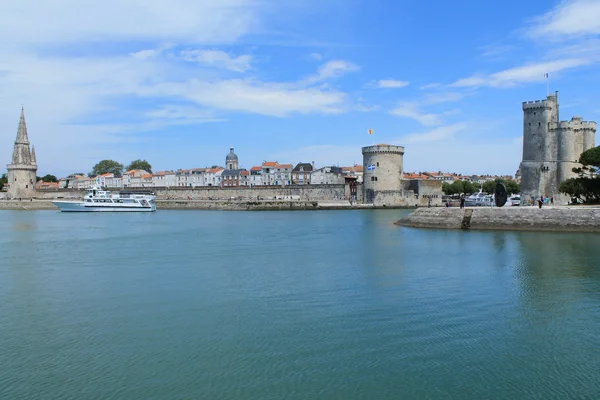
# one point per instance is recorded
(550, 148)
(23, 169)
(382, 180)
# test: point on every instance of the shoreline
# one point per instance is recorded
(216, 205)
(547, 219)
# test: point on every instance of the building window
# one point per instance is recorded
(26, 186)
(378, 164)
(539, 124)
(530, 124)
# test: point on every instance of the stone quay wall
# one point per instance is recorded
(293, 192)
(559, 219)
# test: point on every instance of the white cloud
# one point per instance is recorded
(411, 110)
(533, 72)
(443, 97)
(436, 134)
(68, 21)
(331, 69)
(315, 56)
(430, 86)
(253, 96)
(219, 59)
(388, 84)
(568, 19)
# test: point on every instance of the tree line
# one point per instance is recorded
(466, 187)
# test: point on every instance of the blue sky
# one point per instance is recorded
(179, 82)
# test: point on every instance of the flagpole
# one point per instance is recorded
(547, 85)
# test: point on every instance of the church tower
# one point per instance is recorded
(23, 169)
(231, 161)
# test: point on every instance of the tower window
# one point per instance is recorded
(378, 164)
(539, 124)
(534, 113)
(26, 186)
(530, 124)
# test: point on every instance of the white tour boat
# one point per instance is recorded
(97, 199)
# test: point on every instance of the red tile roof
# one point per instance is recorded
(256, 169)
(269, 164)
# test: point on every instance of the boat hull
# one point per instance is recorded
(78, 206)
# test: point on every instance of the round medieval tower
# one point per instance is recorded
(382, 173)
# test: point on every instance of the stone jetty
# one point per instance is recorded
(559, 219)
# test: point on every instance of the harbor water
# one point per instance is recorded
(292, 305)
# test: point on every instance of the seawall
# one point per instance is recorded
(217, 205)
(558, 219)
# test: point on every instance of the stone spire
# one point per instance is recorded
(22, 132)
(21, 153)
(33, 159)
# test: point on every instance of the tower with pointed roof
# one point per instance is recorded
(23, 168)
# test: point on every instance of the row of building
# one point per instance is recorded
(270, 173)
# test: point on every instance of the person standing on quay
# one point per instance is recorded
(462, 201)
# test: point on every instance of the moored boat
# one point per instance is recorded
(97, 199)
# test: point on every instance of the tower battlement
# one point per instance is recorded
(383, 148)
(574, 125)
(530, 105)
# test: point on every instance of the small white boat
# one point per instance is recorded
(480, 199)
(97, 199)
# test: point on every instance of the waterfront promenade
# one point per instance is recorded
(548, 218)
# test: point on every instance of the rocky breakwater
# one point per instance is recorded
(559, 219)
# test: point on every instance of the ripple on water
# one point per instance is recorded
(328, 305)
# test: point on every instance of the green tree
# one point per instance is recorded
(140, 164)
(586, 187)
(3, 180)
(49, 178)
(457, 187)
(512, 187)
(447, 188)
(107, 167)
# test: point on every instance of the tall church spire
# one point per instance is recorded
(33, 159)
(22, 131)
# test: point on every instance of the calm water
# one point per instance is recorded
(294, 305)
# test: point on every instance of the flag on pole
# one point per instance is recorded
(370, 131)
(546, 75)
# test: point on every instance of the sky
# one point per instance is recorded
(178, 82)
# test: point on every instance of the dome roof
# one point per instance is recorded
(231, 156)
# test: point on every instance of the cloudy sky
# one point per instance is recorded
(177, 82)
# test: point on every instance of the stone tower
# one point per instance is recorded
(382, 180)
(231, 161)
(550, 148)
(23, 169)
